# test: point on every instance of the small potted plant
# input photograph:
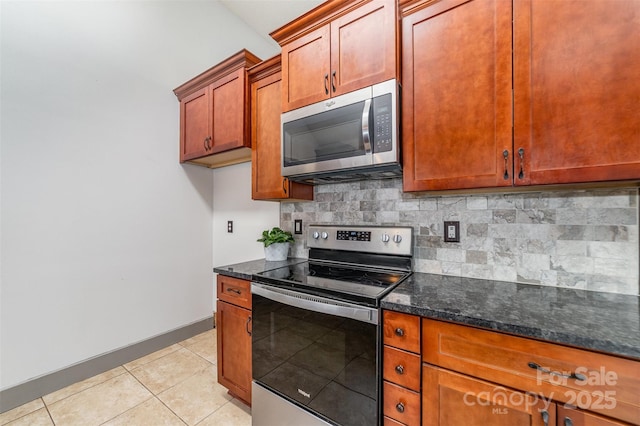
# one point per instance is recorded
(276, 243)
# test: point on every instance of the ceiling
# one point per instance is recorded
(266, 16)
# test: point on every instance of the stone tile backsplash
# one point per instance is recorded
(585, 239)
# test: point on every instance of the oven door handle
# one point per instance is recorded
(316, 303)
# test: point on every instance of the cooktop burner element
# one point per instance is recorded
(358, 264)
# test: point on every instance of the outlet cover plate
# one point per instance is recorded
(452, 231)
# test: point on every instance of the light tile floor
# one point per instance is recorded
(176, 385)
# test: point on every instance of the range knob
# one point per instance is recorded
(316, 235)
(385, 238)
(324, 235)
(397, 238)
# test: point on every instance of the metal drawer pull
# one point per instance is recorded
(400, 407)
(568, 421)
(234, 290)
(399, 332)
(556, 373)
(521, 155)
(505, 154)
(326, 81)
(545, 417)
(399, 369)
(247, 326)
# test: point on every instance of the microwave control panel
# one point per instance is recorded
(382, 123)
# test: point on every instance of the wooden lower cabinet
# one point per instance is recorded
(234, 349)
(601, 384)
(572, 417)
(463, 375)
(450, 398)
(401, 404)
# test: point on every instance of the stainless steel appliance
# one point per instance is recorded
(316, 328)
(349, 137)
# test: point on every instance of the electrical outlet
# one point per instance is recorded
(230, 226)
(452, 231)
(297, 226)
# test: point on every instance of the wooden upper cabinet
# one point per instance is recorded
(214, 114)
(195, 124)
(306, 69)
(577, 89)
(336, 48)
(267, 181)
(557, 105)
(457, 95)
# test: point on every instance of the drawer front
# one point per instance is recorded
(401, 367)
(401, 331)
(234, 291)
(388, 421)
(592, 381)
(401, 404)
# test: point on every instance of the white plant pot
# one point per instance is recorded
(276, 252)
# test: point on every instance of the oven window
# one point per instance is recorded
(325, 136)
(324, 363)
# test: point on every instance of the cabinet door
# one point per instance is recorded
(457, 109)
(266, 174)
(266, 139)
(453, 399)
(234, 349)
(363, 47)
(195, 125)
(577, 89)
(229, 112)
(571, 417)
(305, 69)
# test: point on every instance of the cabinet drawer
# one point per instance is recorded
(401, 404)
(401, 368)
(388, 421)
(596, 382)
(235, 291)
(401, 331)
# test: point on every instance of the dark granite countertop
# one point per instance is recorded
(603, 322)
(246, 270)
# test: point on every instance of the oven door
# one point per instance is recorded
(314, 357)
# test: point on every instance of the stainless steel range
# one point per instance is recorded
(316, 333)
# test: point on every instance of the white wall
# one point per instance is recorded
(232, 201)
(105, 239)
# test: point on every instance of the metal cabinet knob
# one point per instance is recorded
(399, 369)
(399, 332)
(400, 407)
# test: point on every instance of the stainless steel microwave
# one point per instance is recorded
(349, 137)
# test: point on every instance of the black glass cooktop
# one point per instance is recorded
(343, 282)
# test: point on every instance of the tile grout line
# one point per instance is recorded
(128, 371)
(153, 395)
(48, 412)
(81, 390)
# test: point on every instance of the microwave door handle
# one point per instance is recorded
(366, 139)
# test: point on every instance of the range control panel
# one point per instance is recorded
(353, 235)
(371, 239)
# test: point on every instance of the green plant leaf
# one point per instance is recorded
(275, 235)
